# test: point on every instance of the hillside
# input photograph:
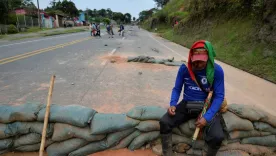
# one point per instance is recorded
(242, 31)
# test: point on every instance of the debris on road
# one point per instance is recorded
(154, 49)
(140, 73)
(148, 59)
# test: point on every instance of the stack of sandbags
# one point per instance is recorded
(21, 126)
(19, 129)
(149, 59)
(76, 130)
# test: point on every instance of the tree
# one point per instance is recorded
(133, 18)
(127, 17)
(161, 3)
(109, 13)
(106, 21)
(102, 12)
(118, 16)
(145, 14)
(67, 7)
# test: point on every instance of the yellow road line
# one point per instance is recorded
(32, 53)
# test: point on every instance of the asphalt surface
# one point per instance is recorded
(86, 76)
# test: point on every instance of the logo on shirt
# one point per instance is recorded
(194, 88)
(204, 81)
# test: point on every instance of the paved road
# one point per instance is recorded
(85, 75)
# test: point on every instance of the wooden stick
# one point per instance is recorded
(46, 117)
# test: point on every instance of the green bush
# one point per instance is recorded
(12, 19)
(106, 21)
(162, 16)
(179, 15)
(12, 29)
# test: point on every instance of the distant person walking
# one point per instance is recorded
(98, 30)
(122, 30)
(108, 28)
(94, 29)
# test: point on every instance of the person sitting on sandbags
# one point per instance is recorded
(200, 77)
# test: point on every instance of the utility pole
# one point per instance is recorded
(38, 12)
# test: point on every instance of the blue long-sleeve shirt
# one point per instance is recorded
(192, 92)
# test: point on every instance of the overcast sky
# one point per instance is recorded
(134, 7)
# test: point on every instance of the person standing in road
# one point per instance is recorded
(122, 30)
(98, 30)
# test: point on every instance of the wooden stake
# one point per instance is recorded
(46, 117)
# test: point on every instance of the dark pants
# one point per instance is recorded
(98, 33)
(214, 131)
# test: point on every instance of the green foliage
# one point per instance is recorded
(12, 19)
(12, 29)
(162, 16)
(179, 15)
(161, 3)
(127, 18)
(106, 21)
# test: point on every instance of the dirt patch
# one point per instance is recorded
(115, 58)
(125, 152)
(43, 86)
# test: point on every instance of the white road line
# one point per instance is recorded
(40, 40)
(167, 47)
(111, 53)
(123, 38)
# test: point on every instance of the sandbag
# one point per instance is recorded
(159, 61)
(147, 113)
(181, 148)
(261, 126)
(139, 141)
(234, 123)
(246, 112)
(176, 63)
(194, 152)
(148, 126)
(126, 141)
(90, 149)
(64, 132)
(251, 149)
(34, 147)
(246, 134)
(65, 147)
(72, 114)
(270, 119)
(6, 144)
(199, 144)
(114, 138)
(25, 112)
(177, 131)
(232, 153)
(108, 123)
(18, 128)
(3, 135)
(176, 139)
(269, 141)
(186, 130)
(233, 141)
(144, 59)
(28, 139)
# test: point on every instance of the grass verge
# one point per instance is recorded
(234, 44)
(64, 32)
